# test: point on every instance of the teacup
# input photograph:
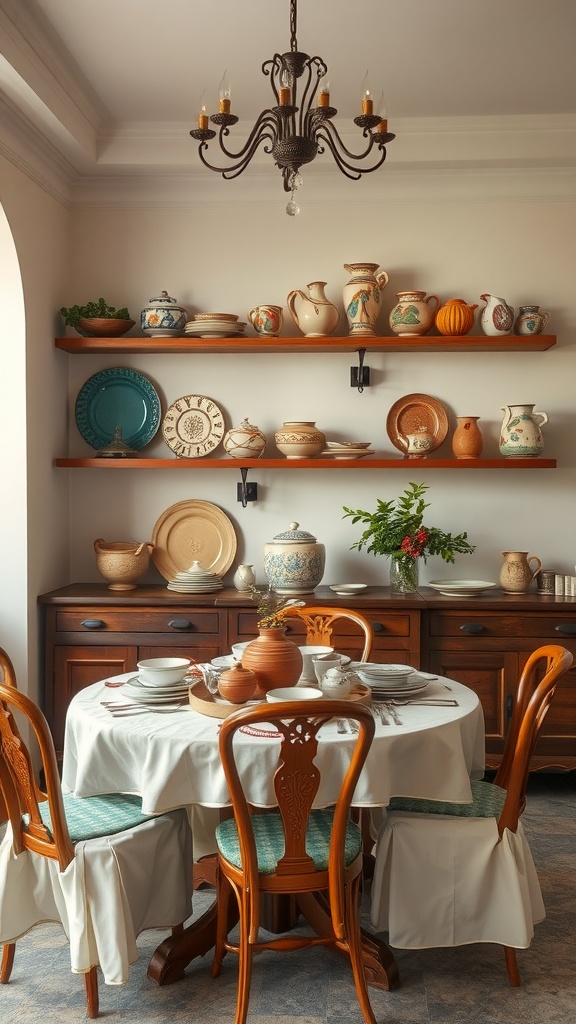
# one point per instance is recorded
(266, 320)
(309, 652)
(321, 664)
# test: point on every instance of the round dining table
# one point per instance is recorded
(171, 759)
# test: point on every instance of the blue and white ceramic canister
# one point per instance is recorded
(163, 317)
(294, 562)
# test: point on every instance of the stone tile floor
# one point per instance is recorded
(467, 985)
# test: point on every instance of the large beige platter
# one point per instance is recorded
(191, 531)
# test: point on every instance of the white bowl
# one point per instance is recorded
(309, 652)
(163, 671)
(348, 589)
(226, 661)
(238, 649)
(293, 693)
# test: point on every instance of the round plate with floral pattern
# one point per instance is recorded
(193, 426)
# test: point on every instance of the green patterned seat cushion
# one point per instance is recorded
(487, 802)
(269, 838)
(94, 816)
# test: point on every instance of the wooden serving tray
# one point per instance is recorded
(205, 702)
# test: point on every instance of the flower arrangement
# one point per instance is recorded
(397, 528)
(271, 607)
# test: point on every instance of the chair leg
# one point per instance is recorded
(244, 962)
(512, 965)
(7, 962)
(355, 947)
(91, 983)
(223, 891)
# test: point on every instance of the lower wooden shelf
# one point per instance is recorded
(368, 463)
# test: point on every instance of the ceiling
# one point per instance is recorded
(83, 68)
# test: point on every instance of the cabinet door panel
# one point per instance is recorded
(491, 674)
(77, 667)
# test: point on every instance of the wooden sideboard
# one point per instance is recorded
(91, 632)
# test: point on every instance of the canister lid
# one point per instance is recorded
(293, 534)
(162, 300)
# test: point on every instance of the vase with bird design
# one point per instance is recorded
(362, 296)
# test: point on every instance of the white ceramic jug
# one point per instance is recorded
(520, 436)
(314, 315)
(497, 317)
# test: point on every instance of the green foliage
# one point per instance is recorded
(99, 309)
(396, 528)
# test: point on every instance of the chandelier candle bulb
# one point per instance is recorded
(284, 97)
(203, 119)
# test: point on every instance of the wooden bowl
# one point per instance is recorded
(103, 327)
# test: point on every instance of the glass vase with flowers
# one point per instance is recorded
(396, 528)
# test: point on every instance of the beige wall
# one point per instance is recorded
(453, 235)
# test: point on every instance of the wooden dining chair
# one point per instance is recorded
(294, 849)
(143, 862)
(319, 621)
(452, 874)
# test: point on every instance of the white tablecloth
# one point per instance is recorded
(172, 760)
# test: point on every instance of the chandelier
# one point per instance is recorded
(299, 126)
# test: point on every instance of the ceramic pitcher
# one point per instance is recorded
(517, 573)
(362, 296)
(497, 317)
(520, 435)
(313, 314)
(531, 320)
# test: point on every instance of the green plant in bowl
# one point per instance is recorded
(97, 319)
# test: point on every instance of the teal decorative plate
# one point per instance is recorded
(117, 397)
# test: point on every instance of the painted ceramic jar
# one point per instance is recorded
(362, 296)
(294, 561)
(413, 315)
(531, 320)
(517, 573)
(467, 440)
(245, 441)
(455, 317)
(300, 439)
(163, 317)
(419, 443)
(313, 314)
(520, 435)
(497, 317)
(266, 320)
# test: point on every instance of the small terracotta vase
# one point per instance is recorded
(237, 684)
(467, 439)
(274, 659)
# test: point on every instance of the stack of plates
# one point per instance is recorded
(348, 449)
(215, 325)
(195, 580)
(136, 689)
(384, 680)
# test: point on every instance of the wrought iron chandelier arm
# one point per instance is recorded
(264, 133)
(327, 134)
(267, 126)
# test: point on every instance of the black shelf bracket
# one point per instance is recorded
(246, 492)
(360, 375)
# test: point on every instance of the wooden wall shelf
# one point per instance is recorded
(211, 346)
(367, 463)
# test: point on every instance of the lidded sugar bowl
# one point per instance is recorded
(294, 561)
(163, 317)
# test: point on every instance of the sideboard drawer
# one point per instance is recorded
(136, 620)
(544, 625)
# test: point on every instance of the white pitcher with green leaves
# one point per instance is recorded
(520, 436)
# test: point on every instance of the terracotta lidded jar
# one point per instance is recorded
(467, 440)
(237, 684)
(455, 317)
(413, 314)
(294, 562)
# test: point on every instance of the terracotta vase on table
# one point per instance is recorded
(274, 659)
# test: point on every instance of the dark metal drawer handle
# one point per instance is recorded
(568, 628)
(180, 624)
(472, 628)
(377, 627)
(93, 624)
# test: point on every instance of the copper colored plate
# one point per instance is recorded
(410, 413)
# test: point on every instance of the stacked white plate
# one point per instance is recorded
(348, 449)
(195, 580)
(136, 689)
(215, 325)
(384, 680)
(460, 588)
